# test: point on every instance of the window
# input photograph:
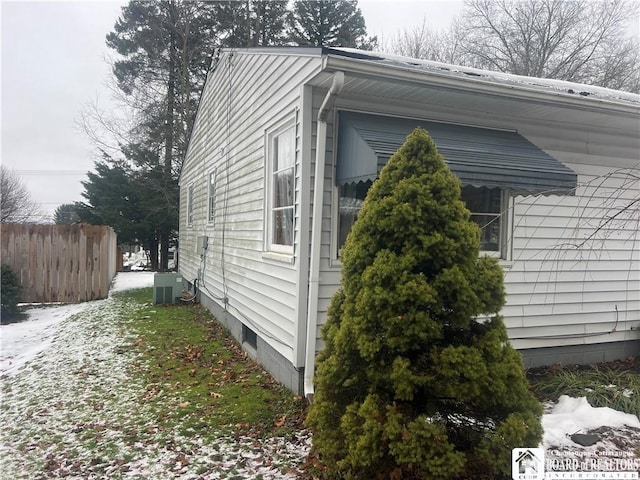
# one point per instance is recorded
(249, 337)
(350, 201)
(212, 197)
(486, 205)
(281, 184)
(190, 205)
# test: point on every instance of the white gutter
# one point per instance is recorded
(396, 72)
(316, 230)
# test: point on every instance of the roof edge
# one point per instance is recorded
(466, 78)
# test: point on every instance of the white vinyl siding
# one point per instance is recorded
(237, 107)
(575, 275)
(557, 294)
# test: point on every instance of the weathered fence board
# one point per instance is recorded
(60, 263)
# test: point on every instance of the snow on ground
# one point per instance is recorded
(575, 415)
(618, 448)
(131, 280)
(22, 341)
(71, 408)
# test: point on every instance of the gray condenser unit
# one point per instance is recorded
(167, 288)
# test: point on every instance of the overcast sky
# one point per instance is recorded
(53, 64)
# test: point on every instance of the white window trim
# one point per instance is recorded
(508, 223)
(190, 209)
(335, 261)
(272, 250)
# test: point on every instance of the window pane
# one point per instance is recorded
(282, 186)
(284, 154)
(283, 189)
(283, 226)
(351, 198)
(482, 200)
(484, 203)
(485, 206)
(490, 232)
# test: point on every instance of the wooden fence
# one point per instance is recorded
(60, 263)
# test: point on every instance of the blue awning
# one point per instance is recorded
(480, 157)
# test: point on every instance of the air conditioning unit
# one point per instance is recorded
(167, 288)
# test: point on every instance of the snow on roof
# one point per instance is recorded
(541, 84)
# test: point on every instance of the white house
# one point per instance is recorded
(549, 169)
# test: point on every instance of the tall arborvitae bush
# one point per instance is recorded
(417, 378)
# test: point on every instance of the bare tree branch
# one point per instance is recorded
(16, 204)
(576, 40)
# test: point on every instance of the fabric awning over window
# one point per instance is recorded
(478, 156)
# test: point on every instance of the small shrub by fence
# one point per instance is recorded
(60, 263)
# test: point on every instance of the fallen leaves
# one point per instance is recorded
(182, 460)
(151, 391)
(172, 404)
(190, 353)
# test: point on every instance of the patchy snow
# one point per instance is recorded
(575, 415)
(71, 406)
(618, 447)
(560, 87)
(131, 280)
(135, 261)
(20, 342)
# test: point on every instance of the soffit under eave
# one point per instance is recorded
(498, 100)
(487, 82)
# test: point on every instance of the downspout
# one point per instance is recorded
(316, 230)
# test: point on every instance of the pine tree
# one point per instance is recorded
(66, 214)
(165, 49)
(129, 202)
(417, 378)
(329, 23)
(252, 23)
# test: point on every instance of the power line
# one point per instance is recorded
(51, 172)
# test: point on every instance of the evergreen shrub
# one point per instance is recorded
(10, 290)
(417, 378)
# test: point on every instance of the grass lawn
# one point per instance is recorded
(192, 365)
(128, 389)
(198, 378)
